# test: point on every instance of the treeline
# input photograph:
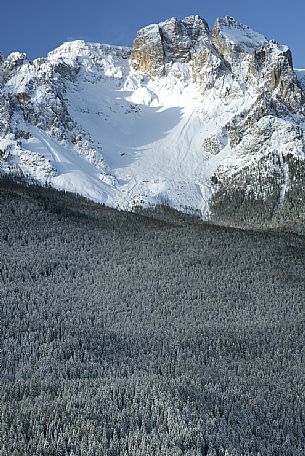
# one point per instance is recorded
(123, 335)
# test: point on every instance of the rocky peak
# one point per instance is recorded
(236, 43)
(147, 54)
(231, 122)
(170, 41)
(231, 49)
(81, 53)
(14, 61)
(229, 33)
(180, 37)
(196, 27)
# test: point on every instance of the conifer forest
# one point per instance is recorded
(136, 334)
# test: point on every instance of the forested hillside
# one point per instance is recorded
(124, 335)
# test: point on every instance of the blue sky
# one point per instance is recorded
(38, 26)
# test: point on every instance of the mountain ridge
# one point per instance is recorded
(191, 117)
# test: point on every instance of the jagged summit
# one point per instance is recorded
(235, 33)
(167, 42)
(209, 120)
(229, 48)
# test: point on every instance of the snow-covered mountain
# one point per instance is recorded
(207, 121)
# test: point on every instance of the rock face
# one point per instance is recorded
(148, 53)
(209, 121)
(158, 46)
